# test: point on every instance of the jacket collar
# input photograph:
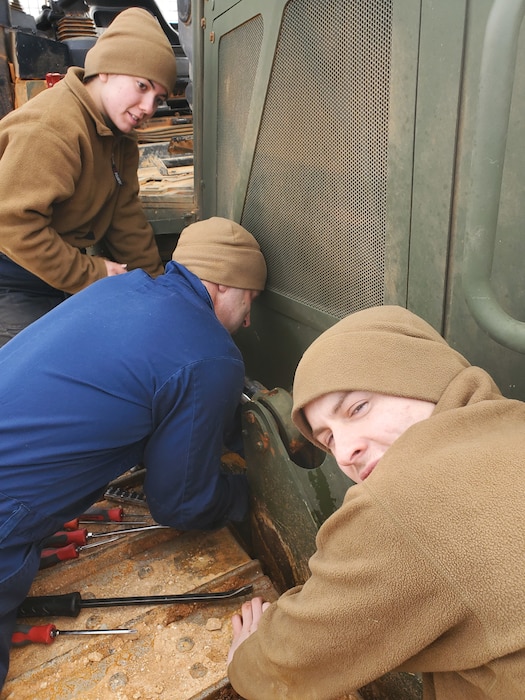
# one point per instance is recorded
(74, 82)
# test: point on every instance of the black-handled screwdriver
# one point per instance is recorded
(70, 604)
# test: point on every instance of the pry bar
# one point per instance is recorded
(70, 604)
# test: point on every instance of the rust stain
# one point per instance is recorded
(90, 668)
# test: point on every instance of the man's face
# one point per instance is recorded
(128, 101)
(358, 427)
(232, 307)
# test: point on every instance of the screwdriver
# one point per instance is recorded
(46, 634)
(81, 536)
(51, 556)
(74, 524)
(104, 515)
(70, 604)
(65, 537)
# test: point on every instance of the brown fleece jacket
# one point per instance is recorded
(59, 193)
(422, 569)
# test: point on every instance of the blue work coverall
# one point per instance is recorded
(131, 369)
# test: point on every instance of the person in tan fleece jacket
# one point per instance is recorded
(422, 569)
(68, 173)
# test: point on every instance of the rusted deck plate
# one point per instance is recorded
(178, 651)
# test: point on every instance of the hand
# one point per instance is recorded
(114, 268)
(246, 623)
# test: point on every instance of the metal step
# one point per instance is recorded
(179, 651)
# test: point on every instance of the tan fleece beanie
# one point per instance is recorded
(134, 44)
(386, 350)
(221, 251)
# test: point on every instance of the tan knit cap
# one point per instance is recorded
(134, 44)
(386, 350)
(221, 251)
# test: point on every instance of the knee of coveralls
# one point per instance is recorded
(14, 588)
(7, 625)
(21, 531)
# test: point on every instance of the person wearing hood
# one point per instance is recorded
(68, 173)
(422, 567)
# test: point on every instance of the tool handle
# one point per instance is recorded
(50, 557)
(71, 524)
(103, 515)
(64, 537)
(37, 634)
(65, 605)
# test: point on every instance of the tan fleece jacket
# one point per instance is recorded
(59, 193)
(422, 569)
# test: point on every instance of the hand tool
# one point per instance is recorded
(81, 537)
(123, 495)
(52, 556)
(75, 523)
(46, 634)
(105, 515)
(126, 530)
(121, 488)
(134, 477)
(71, 524)
(70, 604)
(65, 537)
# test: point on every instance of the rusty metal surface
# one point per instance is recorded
(286, 510)
(178, 652)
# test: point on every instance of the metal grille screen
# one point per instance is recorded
(238, 59)
(317, 193)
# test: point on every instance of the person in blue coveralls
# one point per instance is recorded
(132, 369)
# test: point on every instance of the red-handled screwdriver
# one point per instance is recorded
(71, 525)
(105, 515)
(80, 537)
(50, 557)
(46, 634)
(95, 514)
(65, 537)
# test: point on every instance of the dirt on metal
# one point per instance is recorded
(178, 652)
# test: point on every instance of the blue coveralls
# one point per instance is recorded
(131, 369)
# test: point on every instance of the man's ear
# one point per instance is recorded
(103, 77)
(222, 288)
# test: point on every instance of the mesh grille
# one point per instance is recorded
(238, 58)
(316, 199)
